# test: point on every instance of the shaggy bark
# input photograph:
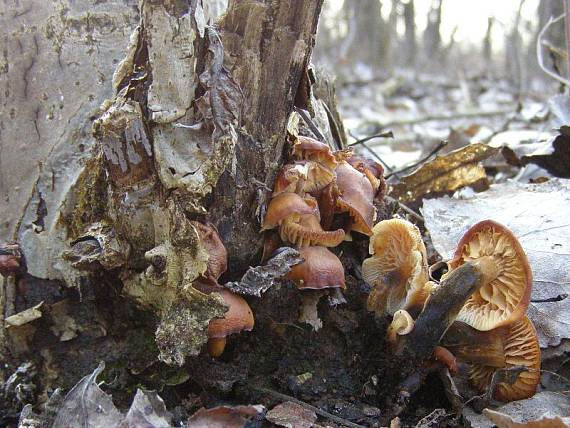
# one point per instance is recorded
(194, 127)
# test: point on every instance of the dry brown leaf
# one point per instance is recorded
(291, 415)
(544, 410)
(224, 416)
(447, 173)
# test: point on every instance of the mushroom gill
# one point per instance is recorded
(356, 197)
(397, 270)
(521, 349)
(306, 148)
(504, 298)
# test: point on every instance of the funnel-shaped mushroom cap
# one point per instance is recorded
(356, 198)
(305, 230)
(371, 169)
(320, 269)
(238, 317)
(306, 148)
(217, 254)
(284, 205)
(521, 349)
(504, 299)
(397, 271)
(401, 324)
(302, 177)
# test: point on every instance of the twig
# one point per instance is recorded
(539, 56)
(436, 149)
(308, 406)
(311, 124)
(567, 35)
(405, 208)
(373, 153)
(386, 134)
(378, 158)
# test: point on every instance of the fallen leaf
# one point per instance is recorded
(259, 279)
(537, 214)
(225, 416)
(554, 156)
(86, 405)
(147, 411)
(447, 173)
(544, 410)
(291, 415)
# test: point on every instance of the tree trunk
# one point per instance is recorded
(192, 126)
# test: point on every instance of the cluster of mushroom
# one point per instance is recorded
(491, 331)
(239, 316)
(318, 201)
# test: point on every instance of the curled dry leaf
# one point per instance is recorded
(87, 405)
(259, 279)
(447, 173)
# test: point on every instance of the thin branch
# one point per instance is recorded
(373, 153)
(405, 208)
(307, 119)
(308, 406)
(434, 151)
(387, 134)
(539, 56)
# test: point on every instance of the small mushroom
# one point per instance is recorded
(356, 197)
(217, 253)
(285, 205)
(10, 259)
(513, 347)
(320, 269)
(397, 270)
(302, 177)
(506, 296)
(239, 317)
(372, 170)
(306, 148)
(402, 324)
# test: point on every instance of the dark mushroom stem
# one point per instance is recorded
(414, 349)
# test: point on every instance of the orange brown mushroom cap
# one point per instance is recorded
(306, 148)
(302, 177)
(521, 348)
(217, 253)
(397, 270)
(320, 269)
(239, 317)
(402, 324)
(284, 205)
(505, 298)
(356, 197)
(372, 170)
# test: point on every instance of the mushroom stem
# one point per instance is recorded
(216, 346)
(414, 349)
(442, 308)
(488, 268)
